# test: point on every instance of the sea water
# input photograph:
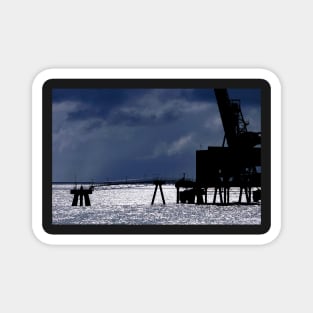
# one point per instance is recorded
(131, 205)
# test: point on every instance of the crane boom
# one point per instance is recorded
(235, 126)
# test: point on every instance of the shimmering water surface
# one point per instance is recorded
(131, 204)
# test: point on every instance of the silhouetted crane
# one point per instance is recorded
(234, 165)
(235, 126)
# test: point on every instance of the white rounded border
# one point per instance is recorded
(217, 73)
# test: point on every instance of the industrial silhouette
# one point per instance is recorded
(81, 193)
(234, 165)
(220, 168)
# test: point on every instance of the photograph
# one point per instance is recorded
(156, 156)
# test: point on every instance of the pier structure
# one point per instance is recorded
(221, 168)
(191, 193)
(158, 184)
(82, 194)
(235, 165)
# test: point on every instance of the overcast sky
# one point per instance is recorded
(101, 134)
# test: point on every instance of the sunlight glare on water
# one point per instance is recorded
(131, 205)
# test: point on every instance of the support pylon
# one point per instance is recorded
(158, 183)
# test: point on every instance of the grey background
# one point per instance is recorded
(36, 35)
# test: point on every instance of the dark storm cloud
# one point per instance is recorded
(137, 118)
(135, 132)
(155, 107)
(96, 102)
(131, 106)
